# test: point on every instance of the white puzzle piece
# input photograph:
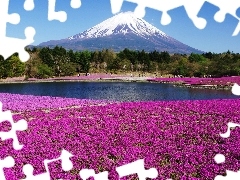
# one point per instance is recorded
(18, 126)
(87, 173)
(66, 166)
(8, 162)
(10, 45)
(138, 168)
(192, 9)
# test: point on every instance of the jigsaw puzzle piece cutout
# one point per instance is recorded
(7, 48)
(6, 45)
(235, 33)
(28, 171)
(8, 162)
(21, 125)
(230, 126)
(230, 175)
(116, 6)
(55, 15)
(160, 5)
(219, 158)
(66, 166)
(87, 173)
(138, 168)
(236, 88)
(29, 5)
(192, 9)
(13, 18)
(227, 7)
(231, 151)
(65, 158)
(60, 15)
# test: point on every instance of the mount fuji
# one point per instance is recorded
(121, 31)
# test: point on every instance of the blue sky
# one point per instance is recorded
(216, 37)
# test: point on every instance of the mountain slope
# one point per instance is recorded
(123, 30)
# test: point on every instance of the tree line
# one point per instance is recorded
(46, 62)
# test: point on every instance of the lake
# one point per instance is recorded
(119, 91)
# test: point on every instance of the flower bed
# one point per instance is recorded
(223, 81)
(18, 102)
(178, 138)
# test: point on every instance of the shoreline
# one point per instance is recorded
(113, 79)
(191, 86)
(125, 79)
(213, 87)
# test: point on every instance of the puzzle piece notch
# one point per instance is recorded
(29, 5)
(237, 30)
(230, 125)
(236, 89)
(138, 168)
(28, 171)
(54, 15)
(65, 158)
(230, 175)
(60, 15)
(227, 7)
(142, 4)
(66, 166)
(116, 6)
(13, 18)
(21, 125)
(8, 162)
(7, 48)
(140, 9)
(75, 4)
(192, 9)
(87, 173)
(219, 158)
(9, 45)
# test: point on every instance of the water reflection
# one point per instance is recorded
(120, 91)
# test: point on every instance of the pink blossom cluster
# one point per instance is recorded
(18, 102)
(178, 138)
(223, 81)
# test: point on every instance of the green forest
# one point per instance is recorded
(56, 62)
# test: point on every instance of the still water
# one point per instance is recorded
(119, 91)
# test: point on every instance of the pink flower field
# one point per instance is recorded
(223, 81)
(178, 138)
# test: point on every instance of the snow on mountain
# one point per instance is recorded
(121, 23)
(121, 31)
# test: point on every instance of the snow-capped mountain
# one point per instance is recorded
(121, 31)
(122, 23)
